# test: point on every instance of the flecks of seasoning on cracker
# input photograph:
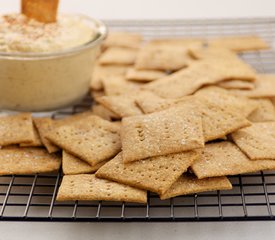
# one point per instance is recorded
(88, 187)
(173, 130)
(92, 139)
(188, 184)
(257, 141)
(72, 165)
(16, 129)
(19, 160)
(156, 174)
(225, 158)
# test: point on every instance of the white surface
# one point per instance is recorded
(156, 9)
(145, 9)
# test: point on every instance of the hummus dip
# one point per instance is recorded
(46, 66)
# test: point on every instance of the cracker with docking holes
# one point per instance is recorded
(173, 130)
(91, 138)
(156, 174)
(89, 187)
(20, 160)
(225, 158)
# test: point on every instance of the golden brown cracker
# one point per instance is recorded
(264, 113)
(236, 84)
(144, 75)
(88, 187)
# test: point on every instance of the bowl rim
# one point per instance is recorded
(101, 34)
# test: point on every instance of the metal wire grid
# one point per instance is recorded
(32, 197)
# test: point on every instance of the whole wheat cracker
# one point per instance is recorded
(88, 187)
(154, 57)
(225, 158)
(121, 105)
(188, 184)
(20, 160)
(156, 174)
(264, 113)
(91, 138)
(72, 165)
(16, 129)
(239, 43)
(257, 141)
(170, 131)
(144, 75)
(104, 72)
(118, 56)
(123, 39)
(36, 142)
(104, 112)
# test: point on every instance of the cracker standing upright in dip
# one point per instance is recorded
(46, 66)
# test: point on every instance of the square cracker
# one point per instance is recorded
(156, 174)
(72, 165)
(264, 113)
(152, 57)
(88, 187)
(92, 139)
(170, 131)
(16, 129)
(257, 141)
(239, 43)
(188, 184)
(103, 112)
(264, 87)
(222, 97)
(104, 72)
(118, 85)
(144, 75)
(118, 56)
(186, 81)
(36, 142)
(225, 158)
(15, 160)
(123, 39)
(122, 105)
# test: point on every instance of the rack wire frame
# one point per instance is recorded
(32, 197)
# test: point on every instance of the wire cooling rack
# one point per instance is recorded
(32, 197)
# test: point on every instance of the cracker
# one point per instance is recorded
(105, 72)
(156, 174)
(15, 160)
(40, 10)
(123, 39)
(225, 158)
(122, 105)
(178, 42)
(257, 141)
(239, 43)
(170, 131)
(222, 97)
(220, 120)
(16, 129)
(185, 81)
(118, 56)
(264, 87)
(88, 187)
(104, 112)
(153, 57)
(188, 184)
(118, 85)
(212, 53)
(144, 75)
(95, 94)
(237, 84)
(36, 142)
(92, 139)
(264, 113)
(73, 165)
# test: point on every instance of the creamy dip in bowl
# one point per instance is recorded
(44, 67)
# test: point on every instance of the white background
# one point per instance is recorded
(156, 9)
(148, 9)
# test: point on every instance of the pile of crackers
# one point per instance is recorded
(170, 116)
